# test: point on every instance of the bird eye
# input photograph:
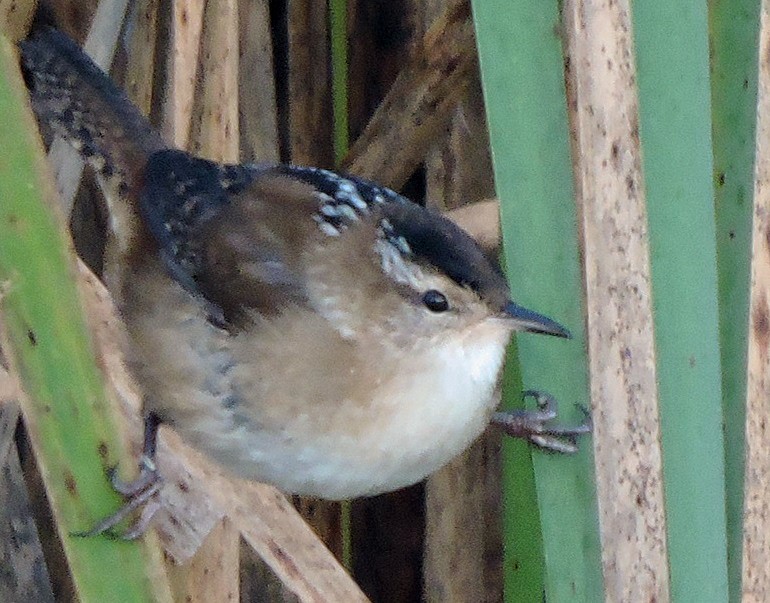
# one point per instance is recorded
(435, 301)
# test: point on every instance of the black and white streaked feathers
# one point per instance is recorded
(420, 234)
(181, 194)
(79, 102)
(344, 199)
(174, 195)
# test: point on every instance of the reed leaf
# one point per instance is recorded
(66, 409)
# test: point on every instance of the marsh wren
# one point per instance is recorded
(303, 328)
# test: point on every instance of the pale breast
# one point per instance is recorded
(414, 423)
(262, 422)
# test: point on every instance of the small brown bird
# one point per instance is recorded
(303, 328)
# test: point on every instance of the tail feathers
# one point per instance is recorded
(83, 105)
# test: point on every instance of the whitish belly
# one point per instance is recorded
(393, 442)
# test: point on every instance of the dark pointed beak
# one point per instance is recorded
(532, 322)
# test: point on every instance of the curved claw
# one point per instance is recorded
(547, 405)
(140, 499)
(139, 493)
(531, 425)
(148, 475)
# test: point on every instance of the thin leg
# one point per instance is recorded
(148, 471)
(531, 425)
(147, 514)
(139, 493)
(135, 502)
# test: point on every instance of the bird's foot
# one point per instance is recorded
(140, 493)
(532, 425)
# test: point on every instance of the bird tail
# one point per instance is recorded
(81, 103)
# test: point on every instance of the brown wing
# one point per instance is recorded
(251, 254)
(232, 234)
